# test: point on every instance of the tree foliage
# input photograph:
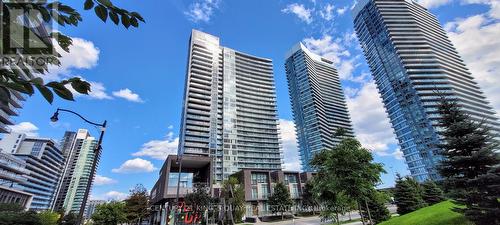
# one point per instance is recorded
(200, 198)
(234, 196)
(111, 213)
(432, 194)
(280, 200)
(470, 165)
(407, 196)
(68, 219)
(136, 205)
(49, 218)
(376, 203)
(346, 173)
(14, 214)
(309, 197)
(25, 77)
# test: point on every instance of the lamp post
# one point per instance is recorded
(176, 214)
(97, 154)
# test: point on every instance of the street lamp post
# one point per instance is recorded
(176, 214)
(97, 154)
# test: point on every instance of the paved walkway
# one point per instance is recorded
(315, 220)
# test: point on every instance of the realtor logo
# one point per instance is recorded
(26, 40)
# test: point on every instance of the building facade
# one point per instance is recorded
(229, 110)
(79, 150)
(11, 108)
(43, 160)
(12, 174)
(195, 170)
(259, 185)
(414, 63)
(91, 207)
(318, 102)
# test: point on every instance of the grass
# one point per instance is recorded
(438, 214)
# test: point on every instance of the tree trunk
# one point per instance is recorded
(337, 217)
(282, 218)
(361, 214)
(368, 210)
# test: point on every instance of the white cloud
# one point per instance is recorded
(300, 11)
(342, 10)
(170, 127)
(160, 149)
(290, 146)
(326, 47)
(371, 124)
(128, 95)
(136, 165)
(482, 54)
(336, 50)
(102, 180)
(115, 195)
(82, 54)
(25, 128)
(398, 154)
(202, 10)
(327, 12)
(433, 3)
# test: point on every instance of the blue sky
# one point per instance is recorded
(138, 74)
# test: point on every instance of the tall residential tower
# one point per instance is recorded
(318, 102)
(413, 63)
(78, 149)
(229, 110)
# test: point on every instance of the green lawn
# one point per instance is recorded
(438, 214)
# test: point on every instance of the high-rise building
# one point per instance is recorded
(12, 174)
(413, 63)
(91, 207)
(229, 110)
(318, 102)
(10, 109)
(79, 151)
(43, 161)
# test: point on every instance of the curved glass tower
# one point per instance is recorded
(229, 110)
(318, 102)
(413, 62)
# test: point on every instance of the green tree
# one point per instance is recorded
(136, 205)
(68, 219)
(200, 198)
(234, 196)
(470, 165)
(48, 217)
(14, 214)
(345, 170)
(407, 196)
(376, 203)
(432, 194)
(309, 197)
(23, 76)
(111, 213)
(280, 200)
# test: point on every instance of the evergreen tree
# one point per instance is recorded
(376, 203)
(280, 200)
(406, 196)
(432, 194)
(470, 164)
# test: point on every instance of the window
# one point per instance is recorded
(186, 180)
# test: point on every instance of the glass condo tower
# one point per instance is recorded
(318, 102)
(413, 63)
(229, 110)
